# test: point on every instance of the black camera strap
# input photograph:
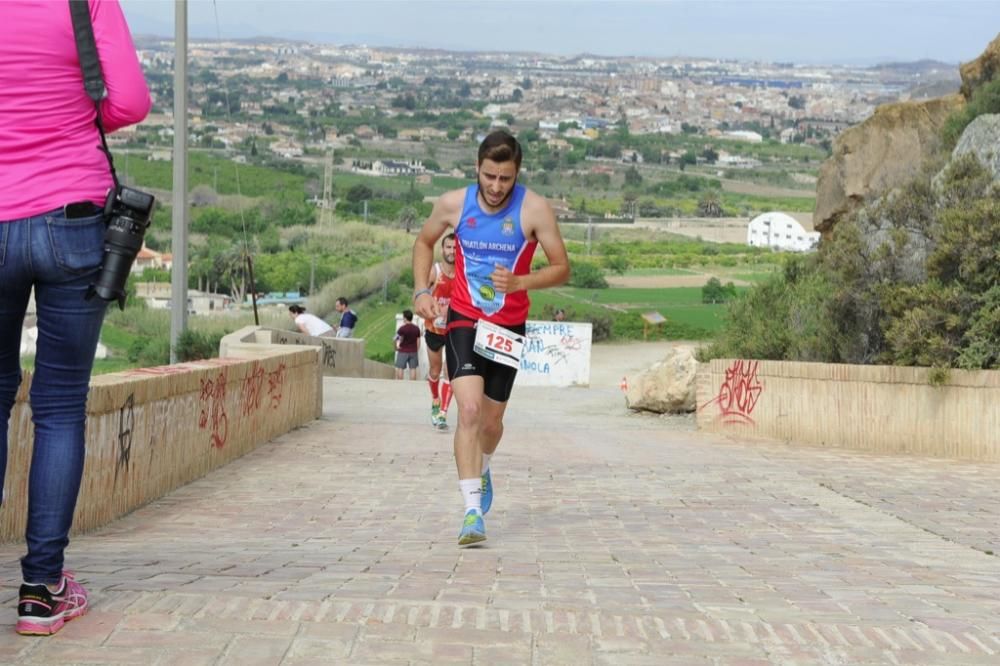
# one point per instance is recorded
(93, 76)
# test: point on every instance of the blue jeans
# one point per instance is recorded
(60, 258)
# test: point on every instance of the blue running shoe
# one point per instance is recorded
(473, 529)
(486, 498)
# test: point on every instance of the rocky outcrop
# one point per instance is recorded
(667, 386)
(887, 149)
(982, 70)
(982, 138)
(879, 154)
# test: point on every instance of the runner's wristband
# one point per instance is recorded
(420, 293)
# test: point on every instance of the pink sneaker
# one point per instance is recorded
(42, 613)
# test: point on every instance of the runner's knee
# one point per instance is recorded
(469, 413)
(491, 429)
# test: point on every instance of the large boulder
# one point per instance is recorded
(667, 386)
(881, 153)
(982, 138)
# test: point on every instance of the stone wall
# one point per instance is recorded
(339, 357)
(152, 430)
(883, 409)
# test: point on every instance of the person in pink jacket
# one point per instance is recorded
(53, 184)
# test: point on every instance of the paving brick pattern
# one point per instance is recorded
(614, 539)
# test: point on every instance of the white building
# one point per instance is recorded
(743, 135)
(780, 232)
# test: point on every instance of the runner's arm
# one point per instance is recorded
(546, 232)
(445, 212)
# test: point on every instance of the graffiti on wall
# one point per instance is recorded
(738, 394)
(252, 394)
(126, 423)
(213, 409)
(276, 385)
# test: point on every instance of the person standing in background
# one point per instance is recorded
(407, 346)
(54, 179)
(348, 319)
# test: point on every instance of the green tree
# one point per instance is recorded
(715, 292)
(712, 291)
(632, 177)
(710, 204)
(359, 192)
(407, 218)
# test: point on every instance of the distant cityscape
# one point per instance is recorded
(297, 100)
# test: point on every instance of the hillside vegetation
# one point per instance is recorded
(913, 278)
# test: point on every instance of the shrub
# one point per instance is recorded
(714, 292)
(195, 345)
(150, 352)
(984, 100)
(586, 275)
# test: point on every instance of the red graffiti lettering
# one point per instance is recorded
(213, 408)
(275, 385)
(251, 395)
(739, 393)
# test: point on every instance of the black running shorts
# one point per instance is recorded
(498, 379)
(434, 340)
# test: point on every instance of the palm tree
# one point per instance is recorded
(710, 204)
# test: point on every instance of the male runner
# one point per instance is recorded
(497, 225)
(441, 279)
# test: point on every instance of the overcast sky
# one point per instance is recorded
(801, 31)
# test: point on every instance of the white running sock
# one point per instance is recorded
(471, 493)
(486, 461)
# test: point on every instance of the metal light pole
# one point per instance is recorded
(179, 236)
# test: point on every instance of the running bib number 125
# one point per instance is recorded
(498, 344)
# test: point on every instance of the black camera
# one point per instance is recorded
(127, 213)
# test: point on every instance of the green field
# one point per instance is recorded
(377, 325)
(206, 169)
(632, 298)
(687, 317)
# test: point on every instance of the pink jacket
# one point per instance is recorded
(48, 139)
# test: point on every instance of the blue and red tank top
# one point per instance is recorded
(484, 240)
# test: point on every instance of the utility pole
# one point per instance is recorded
(179, 229)
(326, 206)
(366, 211)
(312, 275)
(590, 232)
(385, 264)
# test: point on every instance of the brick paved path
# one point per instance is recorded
(614, 539)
